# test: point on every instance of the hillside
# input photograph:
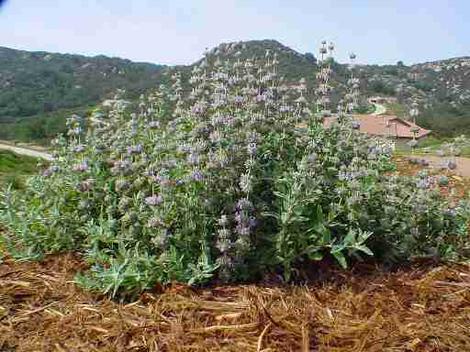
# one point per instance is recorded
(442, 89)
(37, 89)
(39, 82)
(439, 81)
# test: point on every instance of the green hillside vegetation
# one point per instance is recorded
(14, 169)
(39, 128)
(34, 83)
(447, 119)
(39, 89)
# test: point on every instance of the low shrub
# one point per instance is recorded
(230, 181)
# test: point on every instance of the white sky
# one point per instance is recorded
(177, 31)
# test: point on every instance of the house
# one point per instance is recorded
(387, 126)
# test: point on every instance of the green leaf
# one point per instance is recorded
(350, 238)
(363, 236)
(337, 248)
(341, 259)
(317, 255)
(363, 248)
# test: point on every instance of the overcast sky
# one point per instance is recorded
(177, 31)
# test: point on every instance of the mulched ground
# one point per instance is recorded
(423, 308)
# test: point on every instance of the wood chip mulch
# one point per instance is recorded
(422, 308)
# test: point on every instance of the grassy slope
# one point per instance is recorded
(397, 109)
(41, 128)
(14, 168)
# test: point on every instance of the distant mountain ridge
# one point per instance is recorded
(35, 84)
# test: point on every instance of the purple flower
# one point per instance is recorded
(346, 176)
(312, 157)
(238, 99)
(244, 204)
(193, 159)
(161, 179)
(79, 148)
(50, 170)
(423, 183)
(155, 222)
(81, 167)
(223, 220)
(238, 217)
(150, 172)
(197, 175)
(154, 200)
(154, 124)
(251, 148)
(452, 165)
(198, 109)
(134, 149)
(260, 98)
(285, 108)
(243, 230)
(47, 172)
(183, 148)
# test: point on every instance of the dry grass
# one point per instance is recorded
(423, 308)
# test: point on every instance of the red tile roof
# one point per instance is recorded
(385, 125)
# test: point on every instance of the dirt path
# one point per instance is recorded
(27, 151)
(436, 162)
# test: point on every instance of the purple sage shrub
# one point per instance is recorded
(225, 176)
